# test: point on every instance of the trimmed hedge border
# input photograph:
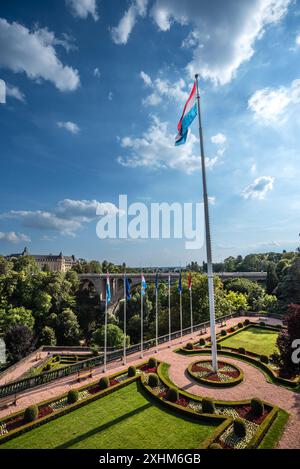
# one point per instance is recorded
(257, 438)
(217, 384)
(30, 426)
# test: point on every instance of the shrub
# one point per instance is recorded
(152, 362)
(208, 406)
(231, 329)
(219, 347)
(262, 323)
(131, 371)
(104, 382)
(240, 325)
(278, 326)
(189, 346)
(242, 350)
(257, 407)
(47, 367)
(215, 446)
(223, 333)
(201, 341)
(31, 413)
(246, 322)
(239, 428)
(73, 396)
(264, 359)
(152, 380)
(172, 395)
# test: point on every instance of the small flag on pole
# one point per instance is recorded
(127, 284)
(190, 281)
(143, 285)
(108, 295)
(188, 115)
(180, 284)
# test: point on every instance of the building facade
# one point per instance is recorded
(54, 263)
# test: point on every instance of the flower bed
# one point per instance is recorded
(226, 375)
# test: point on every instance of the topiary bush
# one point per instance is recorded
(262, 323)
(242, 350)
(73, 396)
(172, 395)
(240, 325)
(201, 341)
(219, 347)
(152, 380)
(264, 359)
(208, 406)
(189, 346)
(131, 371)
(239, 428)
(246, 322)
(257, 407)
(215, 446)
(104, 382)
(152, 362)
(223, 333)
(31, 413)
(231, 329)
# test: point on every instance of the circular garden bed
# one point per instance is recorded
(226, 375)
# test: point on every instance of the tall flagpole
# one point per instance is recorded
(156, 314)
(169, 287)
(124, 319)
(142, 322)
(105, 331)
(208, 243)
(180, 307)
(191, 305)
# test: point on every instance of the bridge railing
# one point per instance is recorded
(16, 387)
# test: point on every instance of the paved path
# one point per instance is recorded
(254, 385)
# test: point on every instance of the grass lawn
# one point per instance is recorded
(127, 418)
(254, 339)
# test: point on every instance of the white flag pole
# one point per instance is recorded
(169, 287)
(124, 320)
(142, 322)
(156, 316)
(105, 330)
(208, 243)
(191, 305)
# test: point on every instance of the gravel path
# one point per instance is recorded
(254, 385)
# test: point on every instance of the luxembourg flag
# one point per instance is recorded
(188, 115)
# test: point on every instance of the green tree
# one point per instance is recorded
(18, 340)
(288, 289)
(237, 301)
(67, 328)
(16, 316)
(47, 336)
(115, 336)
(272, 279)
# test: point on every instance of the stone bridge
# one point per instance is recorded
(117, 280)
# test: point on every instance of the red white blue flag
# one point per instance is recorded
(188, 115)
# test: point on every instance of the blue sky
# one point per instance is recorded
(94, 91)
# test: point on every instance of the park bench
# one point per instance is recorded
(85, 374)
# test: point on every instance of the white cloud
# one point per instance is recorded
(259, 188)
(298, 40)
(253, 168)
(97, 72)
(110, 96)
(15, 92)
(66, 218)
(218, 139)
(155, 149)
(2, 92)
(223, 34)
(34, 53)
(272, 104)
(120, 34)
(162, 89)
(69, 126)
(83, 8)
(13, 237)
(146, 78)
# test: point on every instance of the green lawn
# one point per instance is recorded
(254, 339)
(127, 418)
